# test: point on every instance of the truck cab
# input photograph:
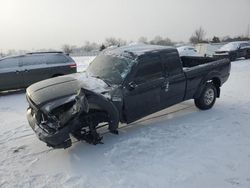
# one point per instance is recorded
(158, 79)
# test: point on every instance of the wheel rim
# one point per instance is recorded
(209, 96)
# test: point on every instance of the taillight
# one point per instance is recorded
(72, 65)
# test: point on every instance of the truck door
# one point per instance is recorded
(10, 74)
(142, 91)
(175, 83)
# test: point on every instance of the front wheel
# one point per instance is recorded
(207, 97)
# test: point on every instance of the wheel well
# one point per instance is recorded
(56, 75)
(98, 102)
(217, 83)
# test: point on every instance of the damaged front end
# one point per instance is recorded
(54, 121)
(65, 106)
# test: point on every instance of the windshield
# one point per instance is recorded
(112, 69)
(229, 47)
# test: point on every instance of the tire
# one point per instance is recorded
(248, 55)
(56, 75)
(207, 97)
(232, 57)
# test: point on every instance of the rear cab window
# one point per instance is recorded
(171, 63)
(244, 45)
(149, 68)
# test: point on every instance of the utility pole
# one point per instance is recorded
(248, 31)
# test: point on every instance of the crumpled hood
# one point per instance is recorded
(91, 83)
(64, 86)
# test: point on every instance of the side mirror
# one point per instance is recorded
(132, 85)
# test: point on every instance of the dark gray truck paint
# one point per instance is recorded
(22, 71)
(156, 79)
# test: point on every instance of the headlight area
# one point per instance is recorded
(55, 120)
(61, 111)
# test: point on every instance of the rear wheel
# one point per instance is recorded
(56, 75)
(232, 57)
(207, 97)
(248, 55)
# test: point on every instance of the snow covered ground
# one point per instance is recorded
(182, 147)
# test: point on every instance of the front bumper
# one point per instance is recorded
(58, 139)
(221, 56)
(51, 130)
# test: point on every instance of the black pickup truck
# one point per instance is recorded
(121, 85)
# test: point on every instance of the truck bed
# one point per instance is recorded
(191, 61)
(197, 69)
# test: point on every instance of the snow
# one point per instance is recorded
(177, 147)
(83, 62)
(188, 51)
(229, 47)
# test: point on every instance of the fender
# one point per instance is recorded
(214, 77)
(97, 101)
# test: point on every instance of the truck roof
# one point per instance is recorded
(137, 50)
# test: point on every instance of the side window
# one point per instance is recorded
(244, 45)
(32, 60)
(9, 63)
(56, 59)
(149, 68)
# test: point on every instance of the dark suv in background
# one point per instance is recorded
(22, 71)
(234, 50)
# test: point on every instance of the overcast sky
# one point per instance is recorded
(34, 24)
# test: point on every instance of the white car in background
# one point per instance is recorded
(188, 51)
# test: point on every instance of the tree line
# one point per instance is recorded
(198, 36)
(112, 41)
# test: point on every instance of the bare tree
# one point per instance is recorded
(198, 36)
(111, 41)
(102, 47)
(1, 54)
(68, 48)
(143, 40)
(88, 47)
(11, 52)
(215, 39)
(158, 40)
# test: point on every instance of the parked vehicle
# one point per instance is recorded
(22, 71)
(121, 85)
(208, 49)
(234, 50)
(187, 51)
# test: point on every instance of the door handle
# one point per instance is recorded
(132, 85)
(165, 86)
